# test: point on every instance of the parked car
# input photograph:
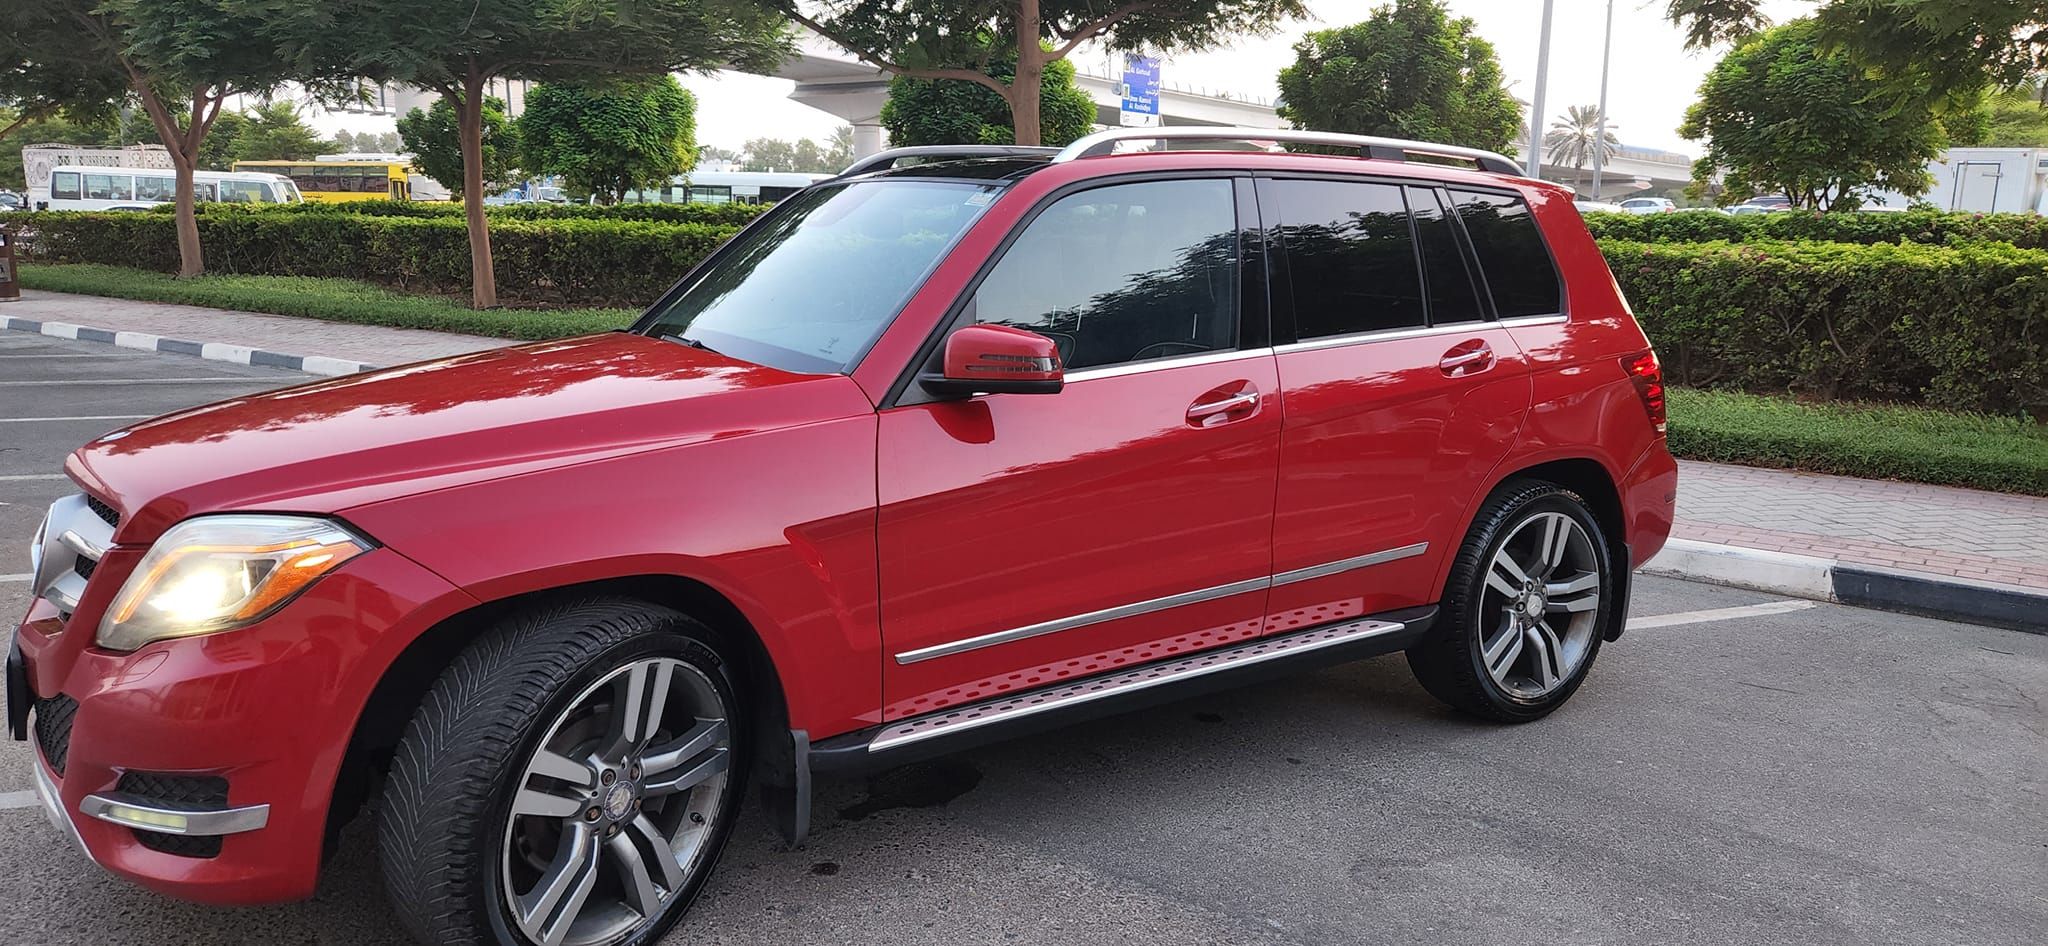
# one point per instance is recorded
(1649, 205)
(922, 457)
(1598, 207)
(10, 200)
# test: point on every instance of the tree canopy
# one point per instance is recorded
(276, 133)
(459, 48)
(45, 73)
(1576, 136)
(945, 112)
(1409, 71)
(431, 137)
(1784, 116)
(610, 138)
(932, 39)
(803, 155)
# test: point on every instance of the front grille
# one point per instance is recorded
(106, 512)
(187, 792)
(53, 729)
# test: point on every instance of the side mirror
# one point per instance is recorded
(997, 359)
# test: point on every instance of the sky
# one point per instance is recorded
(1653, 77)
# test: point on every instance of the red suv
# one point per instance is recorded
(940, 450)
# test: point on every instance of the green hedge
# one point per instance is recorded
(2027, 231)
(726, 215)
(584, 262)
(1959, 327)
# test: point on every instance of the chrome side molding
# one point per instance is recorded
(1182, 599)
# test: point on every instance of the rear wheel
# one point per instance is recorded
(1525, 607)
(569, 781)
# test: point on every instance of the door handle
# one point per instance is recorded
(1473, 361)
(1211, 413)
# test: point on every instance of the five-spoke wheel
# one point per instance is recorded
(1524, 609)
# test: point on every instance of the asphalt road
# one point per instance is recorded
(1821, 775)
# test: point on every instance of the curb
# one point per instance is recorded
(1862, 586)
(216, 351)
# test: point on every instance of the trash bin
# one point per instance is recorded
(10, 285)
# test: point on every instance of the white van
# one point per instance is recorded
(118, 188)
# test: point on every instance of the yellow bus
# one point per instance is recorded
(334, 181)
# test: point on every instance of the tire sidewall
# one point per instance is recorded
(1476, 617)
(670, 640)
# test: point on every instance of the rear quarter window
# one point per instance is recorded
(1512, 255)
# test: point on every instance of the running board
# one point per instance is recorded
(973, 724)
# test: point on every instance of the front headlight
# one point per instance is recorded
(215, 573)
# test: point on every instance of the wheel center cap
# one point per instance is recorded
(1534, 605)
(618, 800)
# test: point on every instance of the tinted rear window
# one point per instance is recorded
(1451, 296)
(1350, 255)
(1511, 253)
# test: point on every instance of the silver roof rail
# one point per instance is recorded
(884, 160)
(1386, 149)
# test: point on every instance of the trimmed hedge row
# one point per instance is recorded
(2027, 231)
(728, 215)
(1959, 327)
(563, 262)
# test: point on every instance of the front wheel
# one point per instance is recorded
(569, 781)
(1525, 607)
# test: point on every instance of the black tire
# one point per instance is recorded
(447, 805)
(1449, 661)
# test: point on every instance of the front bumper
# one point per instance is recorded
(267, 710)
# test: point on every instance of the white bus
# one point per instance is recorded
(119, 188)
(727, 187)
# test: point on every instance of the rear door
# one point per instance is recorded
(1026, 538)
(1400, 390)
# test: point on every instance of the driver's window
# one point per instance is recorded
(1128, 272)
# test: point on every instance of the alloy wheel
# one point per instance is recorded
(613, 812)
(1542, 602)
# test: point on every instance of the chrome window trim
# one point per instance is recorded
(1182, 599)
(199, 823)
(1523, 321)
(1161, 364)
(1386, 335)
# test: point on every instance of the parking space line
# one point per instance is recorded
(18, 477)
(33, 420)
(43, 354)
(220, 380)
(1720, 614)
(16, 577)
(18, 800)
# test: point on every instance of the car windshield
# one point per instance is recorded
(810, 288)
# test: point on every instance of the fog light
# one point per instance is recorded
(149, 820)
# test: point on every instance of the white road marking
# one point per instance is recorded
(18, 800)
(220, 380)
(1721, 614)
(15, 477)
(32, 420)
(40, 354)
(16, 577)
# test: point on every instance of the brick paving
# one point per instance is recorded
(1940, 530)
(372, 344)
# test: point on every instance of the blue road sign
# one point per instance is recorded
(1140, 90)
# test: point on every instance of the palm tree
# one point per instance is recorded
(1570, 139)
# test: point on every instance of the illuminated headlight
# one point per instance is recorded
(215, 573)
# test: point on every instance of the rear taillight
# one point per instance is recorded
(1648, 376)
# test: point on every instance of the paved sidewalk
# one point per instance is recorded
(371, 344)
(1938, 530)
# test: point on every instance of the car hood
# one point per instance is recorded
(331, 445)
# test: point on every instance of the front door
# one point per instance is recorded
(1028, 538)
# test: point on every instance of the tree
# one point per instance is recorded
(1409, 71)
(181, 61)
(2011, 118)
(432, 138)
(275, 133)
(610, 138)
(1784, 117)
(712, 153)
(343, 142)
(945, 112)
(1571, 139)
(44, 75)
(923, 39)
(460, 47)
(223, 144)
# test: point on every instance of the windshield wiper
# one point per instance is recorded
(693, 343)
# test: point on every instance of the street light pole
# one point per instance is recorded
(1536, 107)
(1600, 129)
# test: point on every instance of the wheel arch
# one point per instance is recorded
(405, 681)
